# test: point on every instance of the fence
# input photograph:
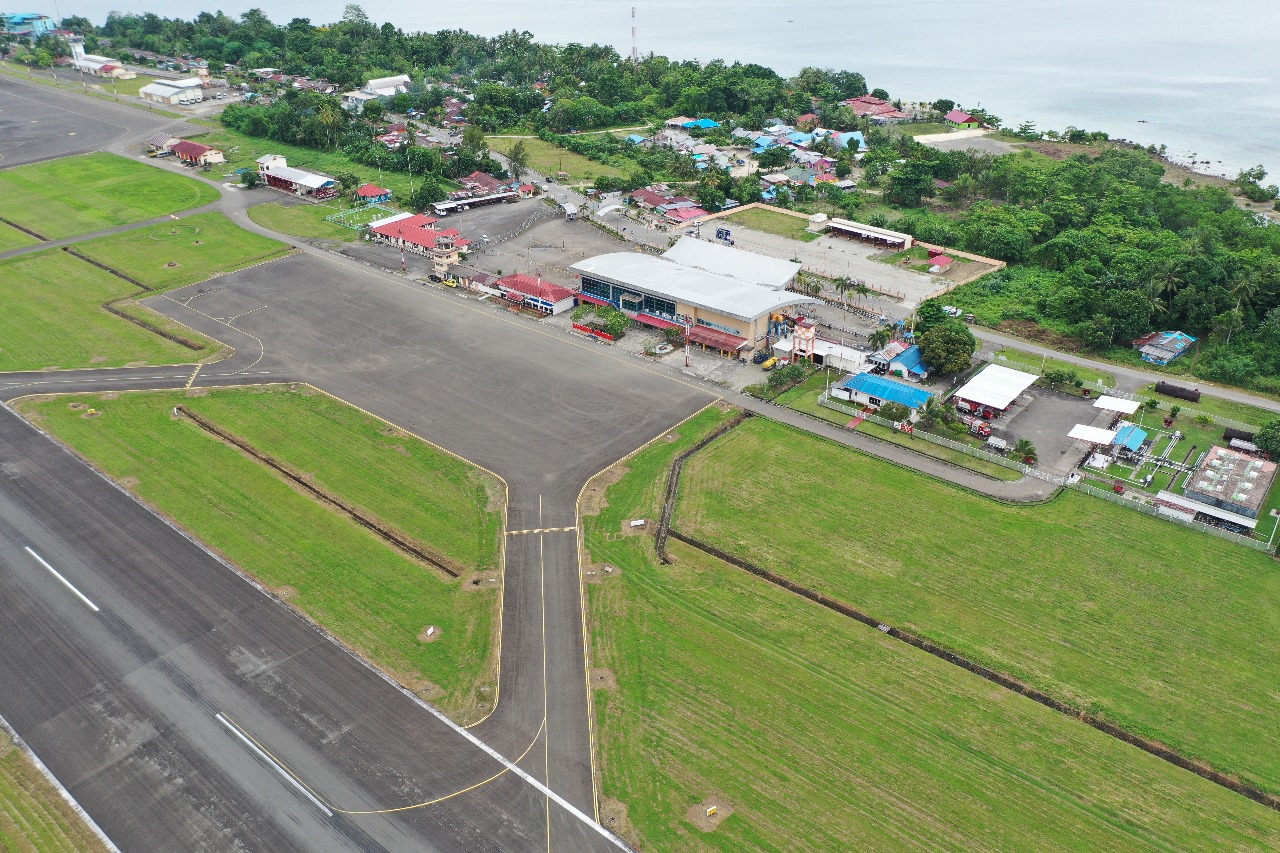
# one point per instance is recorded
(1256, 544)
(824, 400)
(1193, 412)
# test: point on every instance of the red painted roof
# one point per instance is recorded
(372, 191)
(531, 286)
(716, 338)
(186, 148)
(807, 117)
(417, 230)
(648, 197)
(683, 213)
(940, 260)
(657, 322)
(483, 180)
(959, 117)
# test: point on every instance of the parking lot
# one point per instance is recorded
(1045, 417)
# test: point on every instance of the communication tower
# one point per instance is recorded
(635, 47)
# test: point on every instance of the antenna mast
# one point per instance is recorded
(635, 49)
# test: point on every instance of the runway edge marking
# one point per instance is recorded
(404, 691)
(58, 786)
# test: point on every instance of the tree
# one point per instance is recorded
(473, 141)
(880, 338)
(1025, 450)
(784, 376)
(426, 193)
(372, 110)
(518, 160)
(352, 13)
(948, 347)
(928, 315)
(934, 412)
(895, 412)
(772, 158)
(943, 105)
(1268, 438)
(880, 93)
(1054, 378)
(249, 179)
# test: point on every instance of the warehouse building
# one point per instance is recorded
(275, 171)
(721, 298)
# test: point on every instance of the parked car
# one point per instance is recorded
(760, 357)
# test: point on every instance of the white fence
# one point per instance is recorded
(1256, 544)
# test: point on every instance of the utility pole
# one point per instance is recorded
(688, 329)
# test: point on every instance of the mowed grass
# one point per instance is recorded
(1168, 632)
(12, 238)
(184, 251)
(821, 734)
(1216, 407)
(372, 597)
(1019, 360)
(78, 195)
(771, 222)
(53, 317)
(34, 818)
(303, 220)
(548, 159)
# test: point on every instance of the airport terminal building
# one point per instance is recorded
(726, 295)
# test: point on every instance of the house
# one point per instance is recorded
(276, 173)
(961, 119)
(901, 359)
(173, 91)
(809, 120)
(91, 63)
(162, 142)
(473, 279)
(1231, 481)
(940, 262)
(355, 101)
(416, 233)
(635, 139)
(845, 139)
(678, 121)
(373, 194)
(867, 389)
(1163, 347)
(481, 182)
(876, 109)
(197, 154)
(686, 214)
(535, 293)
(387, 87)
(700, 124)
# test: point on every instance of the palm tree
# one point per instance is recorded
(1167, 280)
(880, 337)
(843, 285)
(934, 412)
(1245, 290)
(1025, 450)
(860, 288)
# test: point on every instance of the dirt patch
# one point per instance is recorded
(640, 530)
(130, 483)
(592, 500)
(401, 449)
(613, 816)
(480, 581)
(697, 815)
(75, 407)
(671, 437)
(603, 678)
(97, 359)
(284, 593)
(170, 265)
(600, 572)
(429, 634)
(1039, 334)
(197, 392)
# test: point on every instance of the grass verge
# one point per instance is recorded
(183, 252)
(773, 223)
(548, 159)
(12, 238)
(373, 598)
(303, 220)
(34, 818)
(54, 317)
(1032, 363)
(1215, 407)
(1139, 622)
(77, 195)
(807, 730)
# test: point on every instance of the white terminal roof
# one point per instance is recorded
(1117, 404)
(187, 83)
(1092, 434)
(670, 280)
(735, 263)
(389, 219)
(298, 176)
(997, 386)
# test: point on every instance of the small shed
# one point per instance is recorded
(373, 194)
(197, 154)
(962, 120)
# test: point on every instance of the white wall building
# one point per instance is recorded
(173, 91)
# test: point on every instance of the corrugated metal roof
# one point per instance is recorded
(887, 389)
(735, 263)
(666, 278)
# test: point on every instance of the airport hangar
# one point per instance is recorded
(726, 296)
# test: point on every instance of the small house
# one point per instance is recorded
(900, 358)
(961, 120)
(373, 194)
(197, 154)
(1163, 347)
(867, 389)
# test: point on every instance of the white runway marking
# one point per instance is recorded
(288, 777)
(80, 595)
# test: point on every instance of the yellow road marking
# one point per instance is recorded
(194, 374)
(541, 530)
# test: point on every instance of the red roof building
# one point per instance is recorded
(543, 295)
(869, 106)
(649, 198)
(482, 181)
(416, 234)
(960, 118)
(372, 194)
(194, 152)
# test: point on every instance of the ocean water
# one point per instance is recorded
(1201, 78)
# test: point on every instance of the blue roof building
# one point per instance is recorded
(30, 25)
(871, 390)
(635, 139)
(1130, 437)
(703, 123)
(800, 138)
(843, 139)
(1163, 347)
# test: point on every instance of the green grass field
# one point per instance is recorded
(78, 195)
(1019, 360)
(183, 252)
(34, 818)
(372, 597)
(1212, 406)
(1142, 622)
(549, 159)
(53, 317)
(772, 223)
(821, 734)
(304, 220)
(12, 238)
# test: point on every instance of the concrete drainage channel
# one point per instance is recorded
(665, 532)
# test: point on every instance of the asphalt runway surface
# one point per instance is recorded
(543, 411)
(40, 123)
